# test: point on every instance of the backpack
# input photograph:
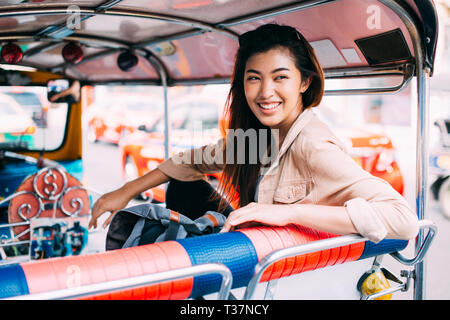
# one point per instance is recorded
(149, 223)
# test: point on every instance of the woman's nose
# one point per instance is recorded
(266, 89)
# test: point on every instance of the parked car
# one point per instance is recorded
(15, 123)
(34, 104)
(144, 150)
(440, 167)
(111, 120)
(375, 153)
(194, 123)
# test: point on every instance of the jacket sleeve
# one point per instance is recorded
(376, 210)
(193, 164)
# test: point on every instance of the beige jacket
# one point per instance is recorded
(312, 167)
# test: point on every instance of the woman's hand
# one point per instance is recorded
(256, 213)
(118, 199)
(112, 202)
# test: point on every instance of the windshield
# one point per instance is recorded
(29, 121)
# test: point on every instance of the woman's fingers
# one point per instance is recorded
(236, 218)
(97, 211)
(94, 217)
(108, 221)
(255, 214)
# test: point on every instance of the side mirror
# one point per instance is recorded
(63, 91)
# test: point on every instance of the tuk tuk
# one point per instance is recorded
(372, 47)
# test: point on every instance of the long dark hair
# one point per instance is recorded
(241, 178)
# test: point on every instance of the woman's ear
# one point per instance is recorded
(305, 85)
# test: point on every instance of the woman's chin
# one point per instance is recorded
(269, 122)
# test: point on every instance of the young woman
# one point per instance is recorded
(310, 181)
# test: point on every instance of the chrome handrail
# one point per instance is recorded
(331, 243)
(432, 230)
(295, 251)
(407, 72)
(139, 281)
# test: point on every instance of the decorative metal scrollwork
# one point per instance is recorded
(50, 186)
(76, 203)
(54, 194)
(24, 210)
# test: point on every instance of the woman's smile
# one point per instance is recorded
(269, 107)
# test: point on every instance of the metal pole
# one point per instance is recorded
(421, 174)
(166, 117)
(162, 72)
(421, 136)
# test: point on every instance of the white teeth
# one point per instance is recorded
(269, 106)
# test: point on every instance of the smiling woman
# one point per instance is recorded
(310, 180)
(277, 80)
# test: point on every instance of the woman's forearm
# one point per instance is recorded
(150, 180)
(325, 218)
(331, 219)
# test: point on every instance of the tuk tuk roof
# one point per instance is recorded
(195, 41)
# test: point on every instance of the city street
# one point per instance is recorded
(103, 173)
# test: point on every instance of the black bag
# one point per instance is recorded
(150, 223)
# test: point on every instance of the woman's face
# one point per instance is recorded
(273, 88)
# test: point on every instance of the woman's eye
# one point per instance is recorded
(280, 77)
(252, 78)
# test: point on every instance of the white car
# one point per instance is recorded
(15, 123)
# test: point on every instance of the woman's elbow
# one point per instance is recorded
(409, 228)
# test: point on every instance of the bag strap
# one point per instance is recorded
(172, 231)
(173, 227)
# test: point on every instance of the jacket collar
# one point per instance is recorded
(299, 123)
(302, 120)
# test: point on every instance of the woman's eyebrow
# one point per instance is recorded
(273, 71)
(280, 69)
(253, 71)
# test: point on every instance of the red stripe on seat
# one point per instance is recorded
(63, 273)
(269, 239)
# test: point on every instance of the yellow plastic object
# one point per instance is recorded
(375, 282)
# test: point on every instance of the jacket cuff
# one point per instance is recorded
(365, 220)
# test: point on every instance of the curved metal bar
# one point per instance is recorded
(381, 293)
(406, 70)
(367, 91)
(58, 10)
(145, 280)
(420, 255)
(52, 195)
(325, 244)
(273, 12)
(75, 202)
(422, 136)
(295, 251)
(41, 205)
(373, 71)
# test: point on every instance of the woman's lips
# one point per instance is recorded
(268, 107)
